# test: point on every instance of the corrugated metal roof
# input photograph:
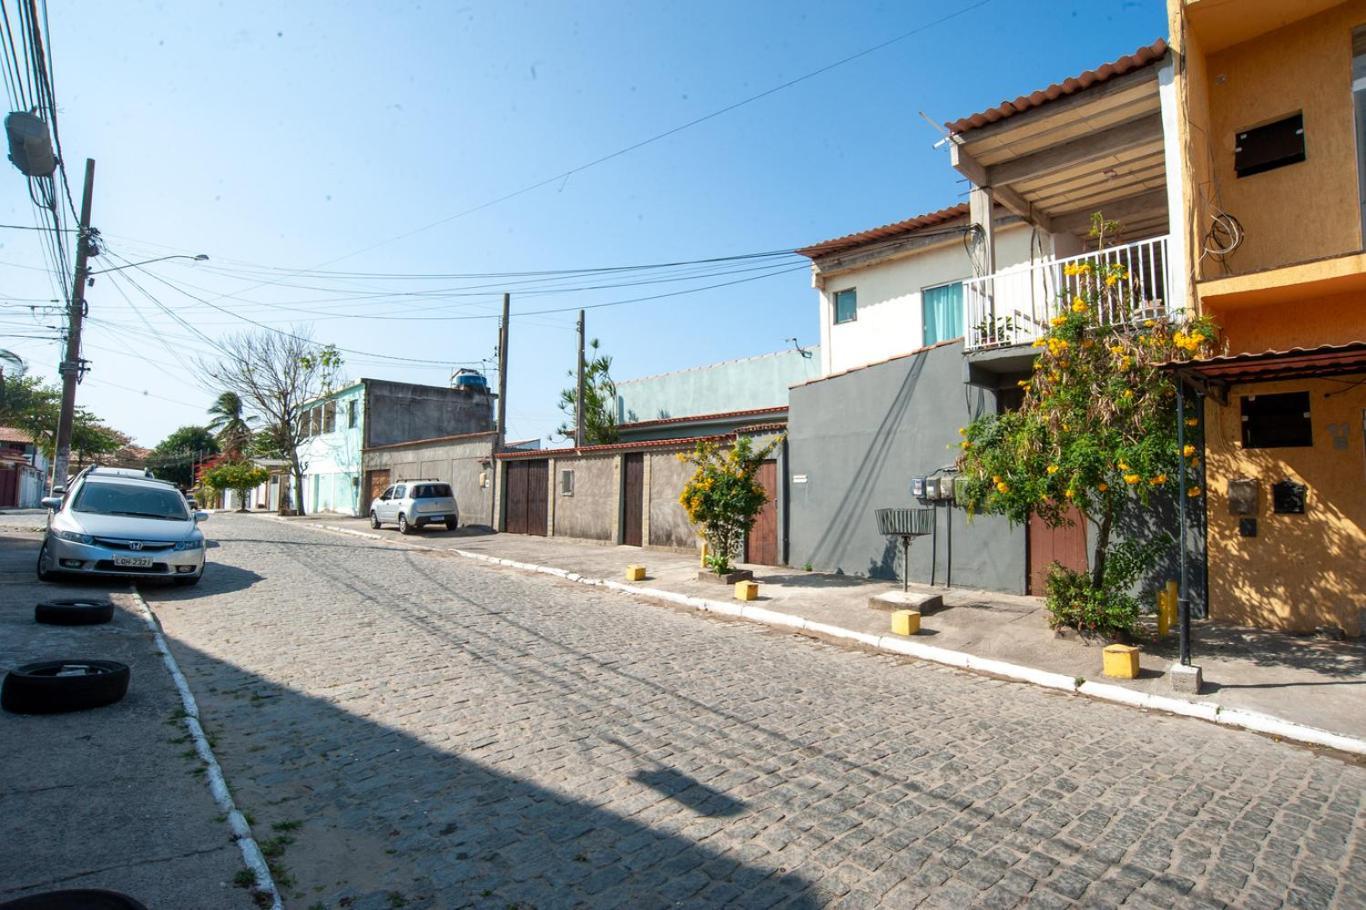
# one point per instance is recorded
(14, 434)
(1144, 56)
(1268, 366)
(886, 232)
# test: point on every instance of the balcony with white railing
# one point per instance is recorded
(1015, 305)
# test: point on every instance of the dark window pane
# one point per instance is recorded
(846, 305)
(1276, 421)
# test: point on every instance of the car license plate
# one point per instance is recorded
(437, 517)
(133, 562)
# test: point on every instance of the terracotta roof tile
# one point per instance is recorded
(886, 232)
(1267, 366)
(1144, 56)
(703, 418)
(14, 434)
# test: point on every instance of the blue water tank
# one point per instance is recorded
(471, 380)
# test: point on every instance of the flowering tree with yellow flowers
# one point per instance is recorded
(724, 496)
(1096, 431)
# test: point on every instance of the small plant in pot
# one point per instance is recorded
(723, 498)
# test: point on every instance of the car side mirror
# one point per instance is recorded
(200, 516)
(51, 502)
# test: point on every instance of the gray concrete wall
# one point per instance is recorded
(859, 438)
(458, 462)
(669, 526)
(590, 513)
(403, 412)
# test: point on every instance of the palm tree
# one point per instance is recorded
(231, 425)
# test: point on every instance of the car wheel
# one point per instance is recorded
(82, 899)
(45, 571)
(452, 524)
(73, 612)
(54, 686)
(374, 520)
(403, 526)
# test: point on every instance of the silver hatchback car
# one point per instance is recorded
(117, 521)
(415, 503)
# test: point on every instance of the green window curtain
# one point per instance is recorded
(846, 305)
(943, 309)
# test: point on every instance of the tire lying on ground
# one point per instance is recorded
(83, 899)
(75, 612)
(54, 686)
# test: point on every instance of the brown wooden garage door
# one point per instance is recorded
(1065, 544)
(633, 505)
(761, 546)
(376, 482)
(526, 509)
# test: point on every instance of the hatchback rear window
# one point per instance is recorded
(431, 490)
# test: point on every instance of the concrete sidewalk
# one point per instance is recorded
(112, 797)
(1297, 679)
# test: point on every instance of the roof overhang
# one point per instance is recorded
(1092, 143)
(1286, 284)
(1216, 374)
(1223, 23)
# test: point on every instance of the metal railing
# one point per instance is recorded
(1014, 306)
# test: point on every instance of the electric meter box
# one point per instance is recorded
(918, 487)
(932, 487)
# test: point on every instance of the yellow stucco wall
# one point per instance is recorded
(1304, 324)
(1300, 571)
(1301, 211)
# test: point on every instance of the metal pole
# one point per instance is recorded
(1183, 599)
(503, 374)
(578, 394)
(70, 368)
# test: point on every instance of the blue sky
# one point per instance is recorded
(323, 135)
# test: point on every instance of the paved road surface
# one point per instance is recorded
(426, 731)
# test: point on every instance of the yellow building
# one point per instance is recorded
(1271, 121)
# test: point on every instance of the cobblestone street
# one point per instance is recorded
(417, 730)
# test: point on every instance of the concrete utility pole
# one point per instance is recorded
(503, 373)
(578, 394)
(70, 368)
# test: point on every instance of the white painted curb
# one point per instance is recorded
(893, 644)
(241, 831)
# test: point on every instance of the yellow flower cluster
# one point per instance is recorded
(1078, 305)
(1193, 492)
(1076, 268)
(1188, 451)
(1131, 479)
(1002, 487)
(1057, 321)
(1188, 341)
(1052, 469)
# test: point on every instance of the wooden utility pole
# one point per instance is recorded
(578, 394)
(503, 372)
(70, 368)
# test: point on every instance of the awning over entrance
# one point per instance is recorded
(1270, 366)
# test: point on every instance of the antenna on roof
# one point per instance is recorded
(938, 128)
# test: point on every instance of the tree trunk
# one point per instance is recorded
(298, 491)
(1102, 548)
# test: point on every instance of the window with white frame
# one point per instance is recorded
(942, 311)
(567, 483)
(329, 417)
(846, 305)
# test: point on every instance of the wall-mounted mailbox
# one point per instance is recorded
(1242, 496)
(1287, 497)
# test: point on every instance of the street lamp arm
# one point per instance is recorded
(199, 257)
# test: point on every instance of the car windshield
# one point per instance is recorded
(431, 490)
(134, 500)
